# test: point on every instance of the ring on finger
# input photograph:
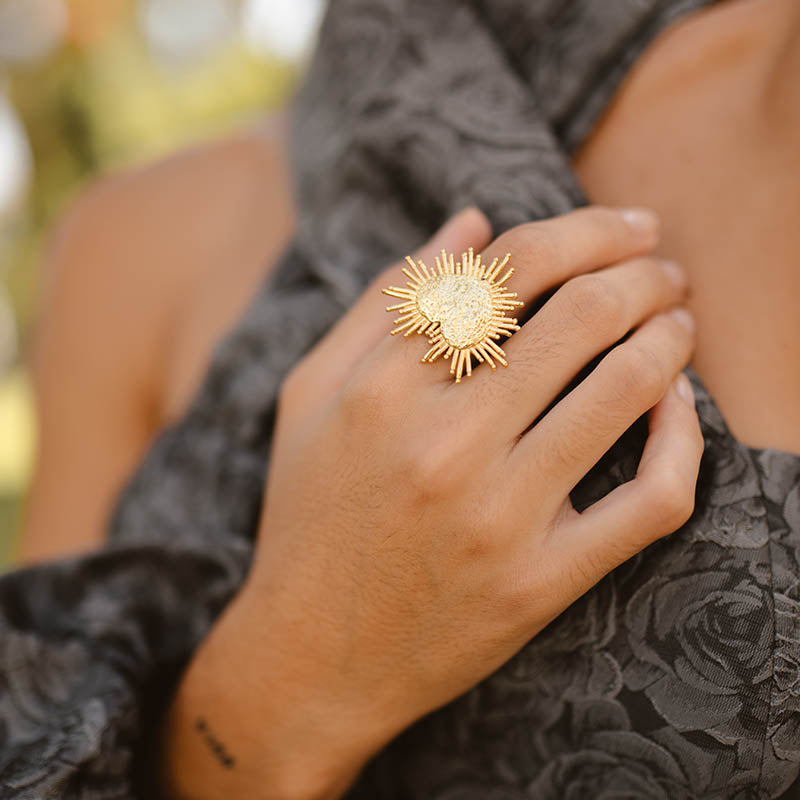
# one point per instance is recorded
(461, 306)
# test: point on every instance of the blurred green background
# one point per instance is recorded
(90, 85)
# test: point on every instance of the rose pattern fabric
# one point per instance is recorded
(678, 676)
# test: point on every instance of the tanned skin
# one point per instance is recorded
(703, 131)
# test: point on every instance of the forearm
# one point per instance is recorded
(242, 727)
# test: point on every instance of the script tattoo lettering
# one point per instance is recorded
(214, 745)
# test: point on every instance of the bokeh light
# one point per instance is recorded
(284, 27)
(31, 29)
(90, 85)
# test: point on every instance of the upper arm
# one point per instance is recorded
(143, 275)
(92, 366)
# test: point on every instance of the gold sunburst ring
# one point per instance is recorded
(460, 306)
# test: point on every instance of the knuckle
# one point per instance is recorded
(595, 303)
(435, 470)
(535, 243)
(671, 499)
(697, 436)
(680, 339)
(638, 374)
(692, 432)
(363, 401)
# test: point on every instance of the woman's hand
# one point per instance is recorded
(417, 533)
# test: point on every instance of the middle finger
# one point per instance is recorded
(585, 316)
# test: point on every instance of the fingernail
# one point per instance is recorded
(684, 317)
(642, 221)
(674, 271)
(684, 388)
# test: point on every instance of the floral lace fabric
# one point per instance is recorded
(675, 677)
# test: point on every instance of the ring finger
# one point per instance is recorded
(547, 253)
(584, 317)
(628, 381)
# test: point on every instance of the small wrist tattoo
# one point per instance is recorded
(214, 744)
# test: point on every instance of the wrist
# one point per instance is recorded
(251, 719)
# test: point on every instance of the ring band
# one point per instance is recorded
(460, 306)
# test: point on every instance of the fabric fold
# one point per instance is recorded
(412, 110)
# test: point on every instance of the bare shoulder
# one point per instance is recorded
(144, 247)
(154, 222)
(206, 225)
(144, 272)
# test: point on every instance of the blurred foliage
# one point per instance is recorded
(88, 110)
(16, 430)
(10, 513)
(102, 100)
(16, 435)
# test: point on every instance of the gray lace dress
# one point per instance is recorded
(678, 676)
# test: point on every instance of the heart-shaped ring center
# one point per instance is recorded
(461, 303)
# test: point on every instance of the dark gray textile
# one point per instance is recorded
(677, 677)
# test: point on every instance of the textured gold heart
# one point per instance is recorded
(460, 306)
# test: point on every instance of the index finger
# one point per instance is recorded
(549, 252)
(333, 358)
